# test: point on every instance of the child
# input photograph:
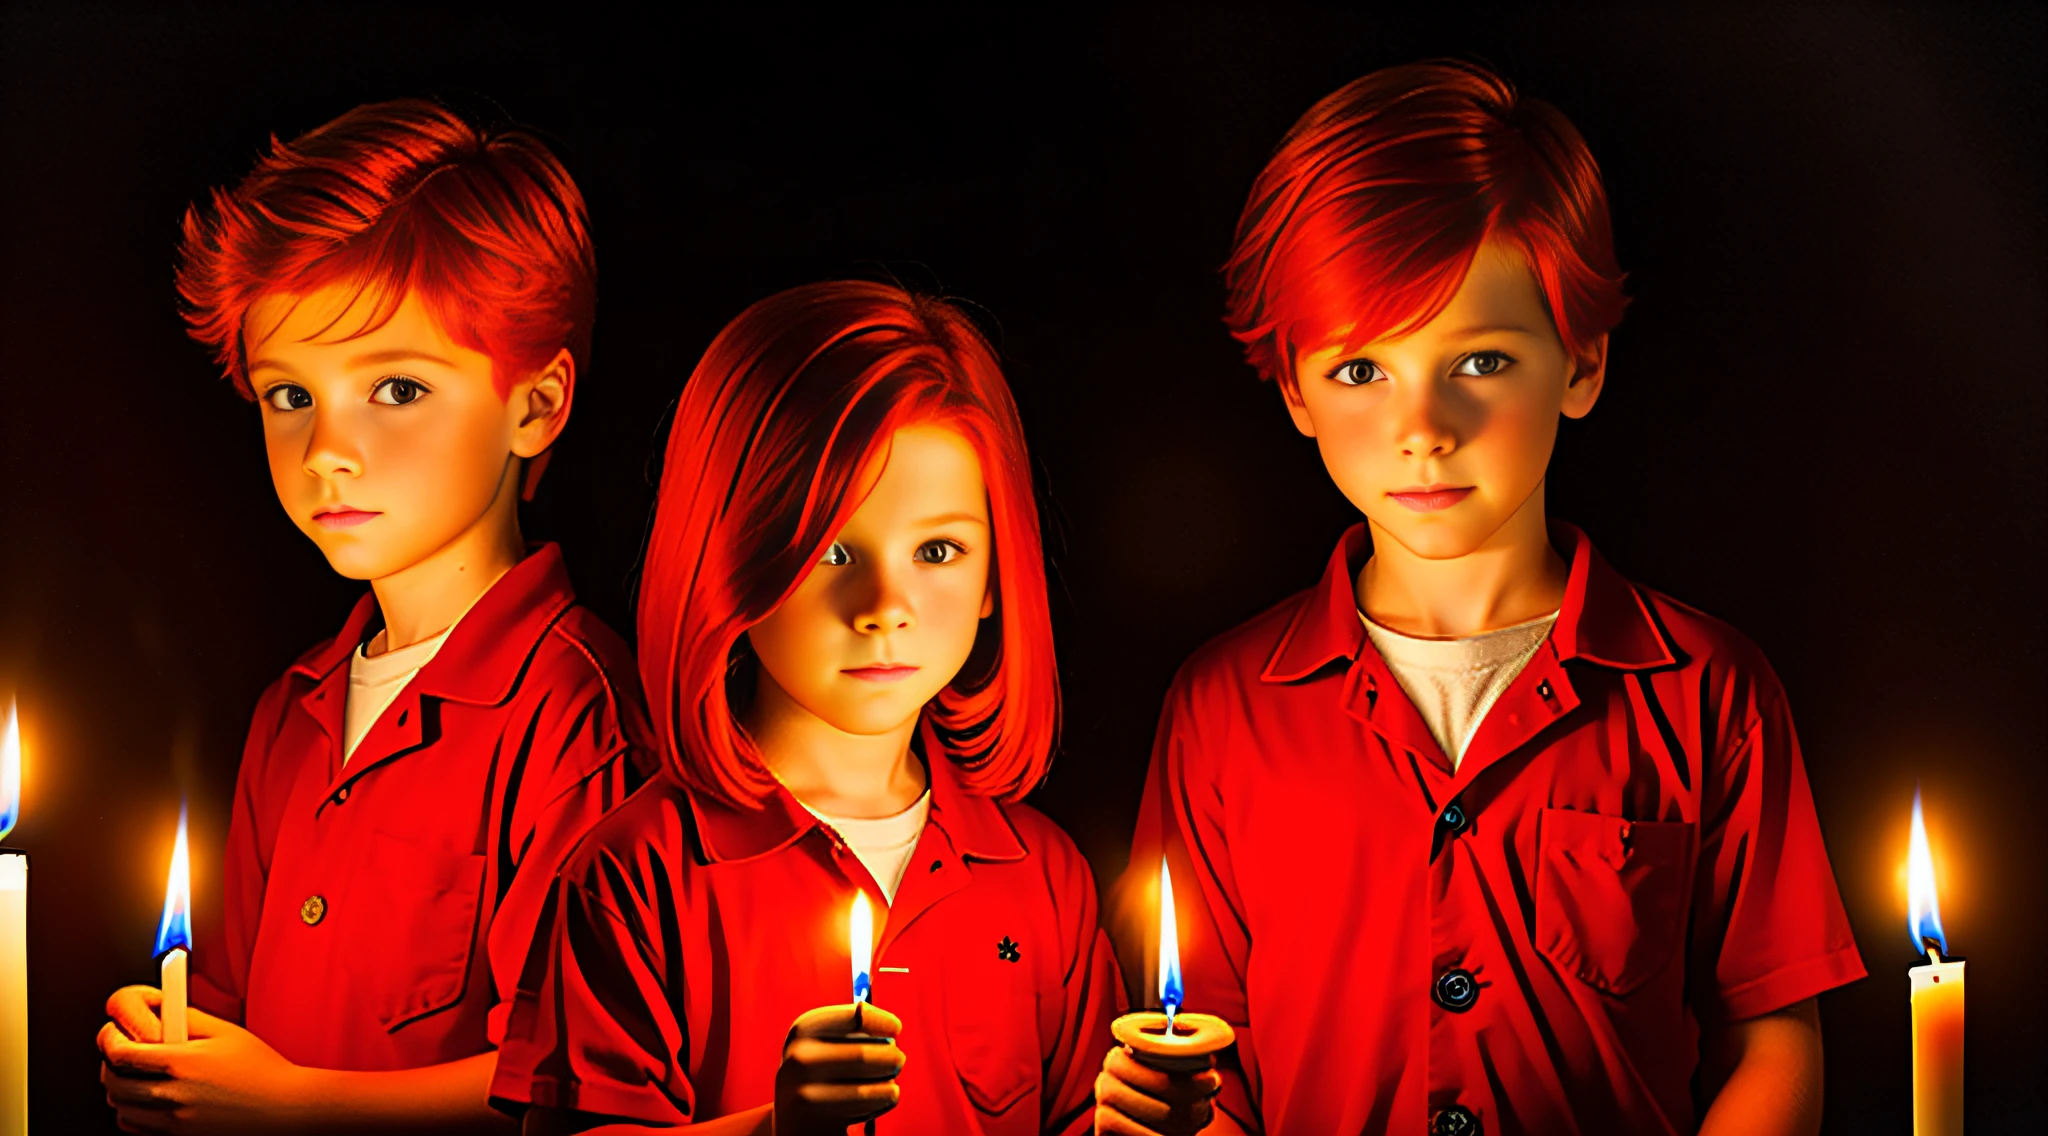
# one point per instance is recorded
(1475, 835)
(843, 620)
(408, 298)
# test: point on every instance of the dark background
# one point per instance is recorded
(1824, 420)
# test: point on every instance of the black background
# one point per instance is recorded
(1824, 420)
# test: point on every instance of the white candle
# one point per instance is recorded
(13, 994)
(174, 937)
(1937, 999)
(13, 942)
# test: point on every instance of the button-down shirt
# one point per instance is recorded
(688, 935)
(375, 915)
(1628, 853)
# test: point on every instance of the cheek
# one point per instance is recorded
(797, 639)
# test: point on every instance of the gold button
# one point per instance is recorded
(313, 910)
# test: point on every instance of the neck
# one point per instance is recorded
(1513, 577)
(855, 776)
(426, 597)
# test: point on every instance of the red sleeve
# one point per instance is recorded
(591, 1029)
(220, 981)
(1180, 817)
(1093, 997)
(581, 757)
(1771, 930)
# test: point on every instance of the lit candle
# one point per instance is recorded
(860, 943)
(1937, 999)
(174, 937)
(1169, 1040)
(13, 941)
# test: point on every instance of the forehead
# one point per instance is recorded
(925, 471)
(288, 323)
(1499, 292)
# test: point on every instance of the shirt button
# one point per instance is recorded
(341, 795)
(1456, 1120)
(1454, 817)
(313, 910)
(1455, 990)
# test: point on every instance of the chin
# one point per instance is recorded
(1437, 541)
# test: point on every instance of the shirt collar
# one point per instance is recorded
(976, 825)
(1602, 620)
(488, 650)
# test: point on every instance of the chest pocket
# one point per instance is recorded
(425, 902)
(992, 1029)
(1611, 895)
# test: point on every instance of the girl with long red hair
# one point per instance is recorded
(844, 630)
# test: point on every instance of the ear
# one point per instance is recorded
(1297, 409)
(988, 602)
(1589, 375)
(539, 407)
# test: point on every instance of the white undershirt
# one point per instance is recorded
(374, 683)
(885, 845)
(1454, 682)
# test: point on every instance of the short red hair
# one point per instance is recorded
(1372, 207)
(401, 197)
(789, 405)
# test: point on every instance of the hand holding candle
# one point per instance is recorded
(839, 1063)
(1169, 1088)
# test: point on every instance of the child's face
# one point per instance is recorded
(1441, 435)
(388, 446)
(888, 617)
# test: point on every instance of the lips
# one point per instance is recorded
(881, 672)
(343, 517)
(1432, 498)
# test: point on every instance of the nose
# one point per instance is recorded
(887, 606)
(331, 449)
(1424, 422)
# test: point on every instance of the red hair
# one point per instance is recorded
(1371, 209)
(788, 407)
(399, 198)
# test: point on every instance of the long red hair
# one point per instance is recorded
(1371, 209)
(789, 405)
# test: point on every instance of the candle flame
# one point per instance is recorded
(10, 771)
(1169, 947)
(860, 936)
(1923, 907)
(176, 928)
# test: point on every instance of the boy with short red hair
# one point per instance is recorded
(408, 297)
(1474, 835)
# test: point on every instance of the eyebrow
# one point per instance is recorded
(951, 518)
(1469, 332)
(394, 355)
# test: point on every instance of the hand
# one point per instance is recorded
(225, 1079)
(1133, 1100)
(826, 1083)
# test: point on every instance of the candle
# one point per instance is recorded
(1937, 999)
(860, 941)
(13, 941)
(174, 937)
(1171, 1041)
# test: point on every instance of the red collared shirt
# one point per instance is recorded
(689, 934)
(1627, 853)
(376, 916)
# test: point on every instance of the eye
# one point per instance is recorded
(1483, 363)
(1358, 372)
(938, 552)
(397, 391)
(837, 556)
(288, 396)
